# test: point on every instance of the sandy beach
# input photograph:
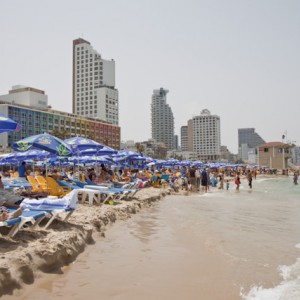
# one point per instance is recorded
(34, 251)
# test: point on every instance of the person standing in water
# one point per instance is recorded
(227, 184)
(249, 177)
(295, 178)
(237, 181)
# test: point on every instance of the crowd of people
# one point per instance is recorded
(189, 178)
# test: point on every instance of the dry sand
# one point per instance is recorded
(34, 251)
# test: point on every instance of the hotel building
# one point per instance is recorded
(206, 136)
(36, 117)
(94, 92)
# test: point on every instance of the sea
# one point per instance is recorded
(221, 244)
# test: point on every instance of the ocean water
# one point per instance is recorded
(219, 245)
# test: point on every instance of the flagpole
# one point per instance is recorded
(283, 151)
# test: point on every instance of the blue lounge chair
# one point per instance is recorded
(68, 184)
(54, 207)
(27, 216)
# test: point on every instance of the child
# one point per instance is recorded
(227, 184)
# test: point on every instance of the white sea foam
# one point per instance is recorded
(287, 289)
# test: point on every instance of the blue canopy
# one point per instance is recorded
(45, 142)
(99, 152)
(27, 155)
(7, 124)
(127, 153)
(79, 143)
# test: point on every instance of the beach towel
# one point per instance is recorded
(69, 201)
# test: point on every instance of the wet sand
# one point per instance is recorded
(146, 257)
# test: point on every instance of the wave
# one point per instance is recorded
(287, 289)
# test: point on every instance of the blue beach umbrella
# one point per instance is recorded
(27, 155)
(7, 124)
(45, 142)
(127, 153)
(99, 152)
(79, 143)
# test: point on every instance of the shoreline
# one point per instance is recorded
(33, 251)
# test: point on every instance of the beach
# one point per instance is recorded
(217, 245)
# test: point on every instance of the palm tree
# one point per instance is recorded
(139, 148)
(61, 134)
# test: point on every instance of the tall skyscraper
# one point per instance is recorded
(162, 120)
(248, 140)
(206, 136)
(250, 137)
(94, 92)
(184, 138)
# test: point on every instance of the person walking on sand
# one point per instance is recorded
(249, 178)
(237, 181)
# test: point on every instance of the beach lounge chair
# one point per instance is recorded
(34, 184)
(54, 207)
(115, 193)
(42, 183)
(92, 194)
(13, 183)
(27, 216)
(65, 183)
(106, 192)
(55, 189)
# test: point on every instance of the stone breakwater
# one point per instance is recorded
(34, 251)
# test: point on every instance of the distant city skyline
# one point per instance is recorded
(238, 59)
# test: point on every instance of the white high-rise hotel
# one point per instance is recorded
(94, 93)
(162, 119)
(206, 136)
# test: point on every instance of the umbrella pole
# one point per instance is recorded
(46, 166)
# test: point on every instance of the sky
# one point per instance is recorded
(240, 59)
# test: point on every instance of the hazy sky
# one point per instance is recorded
(237, 58)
